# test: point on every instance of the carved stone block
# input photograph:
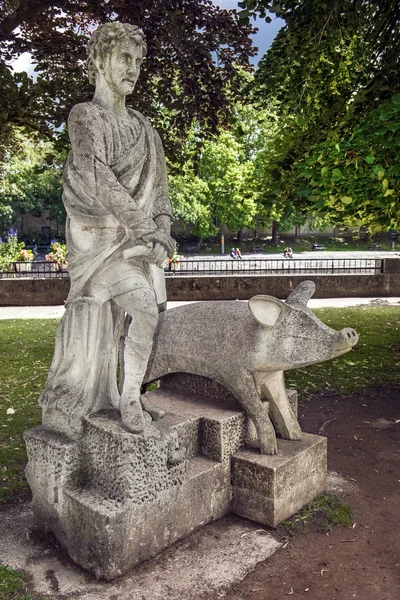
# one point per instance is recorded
(269, 489)
(114, 499)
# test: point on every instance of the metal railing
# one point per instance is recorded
(226, 267)
(277, 266)
(34, 269)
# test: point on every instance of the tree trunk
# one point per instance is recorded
(275, 233)
(240, 236)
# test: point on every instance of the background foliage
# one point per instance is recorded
(190, 72)
(331, 70)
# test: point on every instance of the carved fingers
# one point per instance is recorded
(163, 238)
(158, 254)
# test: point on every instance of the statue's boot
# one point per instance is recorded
(136, 357)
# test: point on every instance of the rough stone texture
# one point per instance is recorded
(115, 193)
(114, 499)
(205, 564)
(245, 348)
(188, 383)
(269, 489)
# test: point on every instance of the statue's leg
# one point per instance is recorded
(141, 305)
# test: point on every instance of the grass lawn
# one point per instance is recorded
(26, 349)
(13, 586)
(298, 245)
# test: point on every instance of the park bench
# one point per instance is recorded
(317, 247)
(257, 249)
(374, 247)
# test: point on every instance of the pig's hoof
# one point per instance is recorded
(263, 448)
(270, 448)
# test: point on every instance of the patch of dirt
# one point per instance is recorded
(359, 563)
(363, 562)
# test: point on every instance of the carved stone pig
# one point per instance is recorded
(246, 346)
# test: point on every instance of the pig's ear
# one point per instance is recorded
(266, 309)
(301, 295)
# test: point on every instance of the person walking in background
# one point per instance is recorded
(238, 254)
(232, 254)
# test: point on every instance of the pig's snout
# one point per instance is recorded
(347, 338)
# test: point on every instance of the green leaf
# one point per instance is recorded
(275, 8)
(370, 159)
(324, 171)
(393, 126)
(396, 99)
(243, 14)
(346, 199)
(336, 175)
(385, 185)
(385, 115)
(304, 193)
(388, 192)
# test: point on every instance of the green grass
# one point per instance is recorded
(298, 245)
(374, 361)
(11, 582)
(13, 585)
(325, 511)
(26, 349)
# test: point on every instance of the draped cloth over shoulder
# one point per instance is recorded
(115, 186)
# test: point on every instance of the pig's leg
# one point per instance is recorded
(257, 410)
(272, 385)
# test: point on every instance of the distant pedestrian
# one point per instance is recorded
(288, 253)
(232, 254)
(238, 254)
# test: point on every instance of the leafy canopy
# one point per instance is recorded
(330, 68)
(30, 180)
(220, 184)
(190, 72)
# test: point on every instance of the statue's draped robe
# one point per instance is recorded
(115, 185)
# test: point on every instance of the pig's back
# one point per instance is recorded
(201, 337)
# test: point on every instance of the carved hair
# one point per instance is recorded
(105, 37)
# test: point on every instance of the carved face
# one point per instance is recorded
(121, 67)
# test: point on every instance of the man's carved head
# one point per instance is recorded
(105, 38)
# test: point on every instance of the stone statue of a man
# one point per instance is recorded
(118, 236)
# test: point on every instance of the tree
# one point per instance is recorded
(190, 73)
(330, 65)
(191, 202)
(355, 178)
(30, 181)
(220, 184)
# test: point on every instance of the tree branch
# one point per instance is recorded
(26, 12)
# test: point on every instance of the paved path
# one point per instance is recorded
(56, 312)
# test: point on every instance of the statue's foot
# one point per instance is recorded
(132, 415)
(155, 412)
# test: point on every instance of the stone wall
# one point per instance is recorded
(41, 292)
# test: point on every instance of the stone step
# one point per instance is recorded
(269, 489)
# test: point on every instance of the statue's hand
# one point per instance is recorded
(158, 255)
(163, 238)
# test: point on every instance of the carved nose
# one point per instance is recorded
(349, 337)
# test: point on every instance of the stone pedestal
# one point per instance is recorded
(269, 489)
(115, 499)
